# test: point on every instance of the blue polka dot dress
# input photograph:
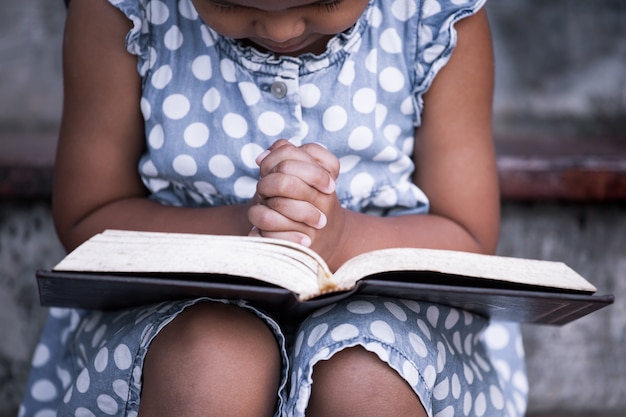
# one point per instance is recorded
(211, 105)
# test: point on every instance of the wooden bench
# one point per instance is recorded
(531, 168)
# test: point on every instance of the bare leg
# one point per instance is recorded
(212, 360)
(355, 382)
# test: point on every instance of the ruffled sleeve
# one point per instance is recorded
(137, 42)
(437, 38)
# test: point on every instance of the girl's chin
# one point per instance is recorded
(295, 49)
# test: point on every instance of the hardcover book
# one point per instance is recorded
(121, 269)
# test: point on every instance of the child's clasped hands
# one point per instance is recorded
(296, 197)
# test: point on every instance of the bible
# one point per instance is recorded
(123, 269)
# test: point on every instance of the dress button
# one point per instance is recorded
(279, 89)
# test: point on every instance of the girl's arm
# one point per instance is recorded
(455, 156)
(455, 162)
(96, 184)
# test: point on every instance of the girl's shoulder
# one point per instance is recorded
(423, 30)
(158, 24)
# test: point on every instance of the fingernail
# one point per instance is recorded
(261, 157)
(305, 241)
(322, 221)
(332, 185)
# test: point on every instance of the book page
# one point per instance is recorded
(281, 263)
(532, 272)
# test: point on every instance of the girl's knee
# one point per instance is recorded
(356, 382)
(212, 355)
(218, 333)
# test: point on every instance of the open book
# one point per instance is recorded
(118, 269)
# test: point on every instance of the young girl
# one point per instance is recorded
(344, 125)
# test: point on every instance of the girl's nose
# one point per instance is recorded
(280, 27)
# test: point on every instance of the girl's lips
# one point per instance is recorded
(282, 49)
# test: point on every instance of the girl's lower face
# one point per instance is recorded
(285, 27)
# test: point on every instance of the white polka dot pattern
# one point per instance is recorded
(200, 116)
(451, 378)
(456, 363)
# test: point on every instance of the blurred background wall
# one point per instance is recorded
(561, 72)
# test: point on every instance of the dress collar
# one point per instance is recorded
(338, 47)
